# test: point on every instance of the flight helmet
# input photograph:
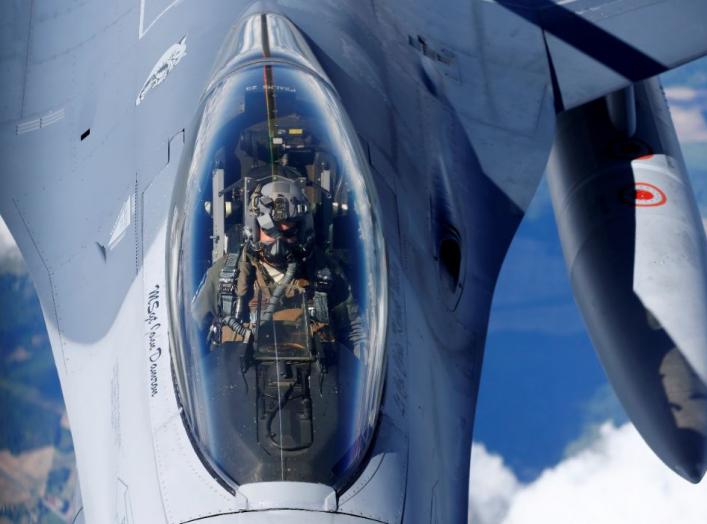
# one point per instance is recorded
(282, 212)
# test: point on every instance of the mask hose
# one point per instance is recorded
(279, 290)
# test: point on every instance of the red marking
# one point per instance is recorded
(643, 194)
(645, 157)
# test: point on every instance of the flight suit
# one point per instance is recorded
(320, 275)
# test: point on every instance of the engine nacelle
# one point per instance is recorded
(635, 248)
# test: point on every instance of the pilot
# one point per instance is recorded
(281, 260)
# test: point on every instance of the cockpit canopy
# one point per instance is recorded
(277, 282)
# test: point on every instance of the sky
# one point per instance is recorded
(10, 259)
(552, 443)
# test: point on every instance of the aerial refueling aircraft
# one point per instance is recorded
(265, 236)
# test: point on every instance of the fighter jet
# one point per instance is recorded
(265, 236)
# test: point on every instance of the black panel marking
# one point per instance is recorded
(592, 40)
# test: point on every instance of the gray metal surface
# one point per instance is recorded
(453, 102)
(289, 495)
(286, 517)
(599, 46)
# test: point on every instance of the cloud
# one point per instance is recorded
(688, 106)
(678, 94)
(10, 258)
(689, 123)
(492, 488)
(602, 408)
(614, 479)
